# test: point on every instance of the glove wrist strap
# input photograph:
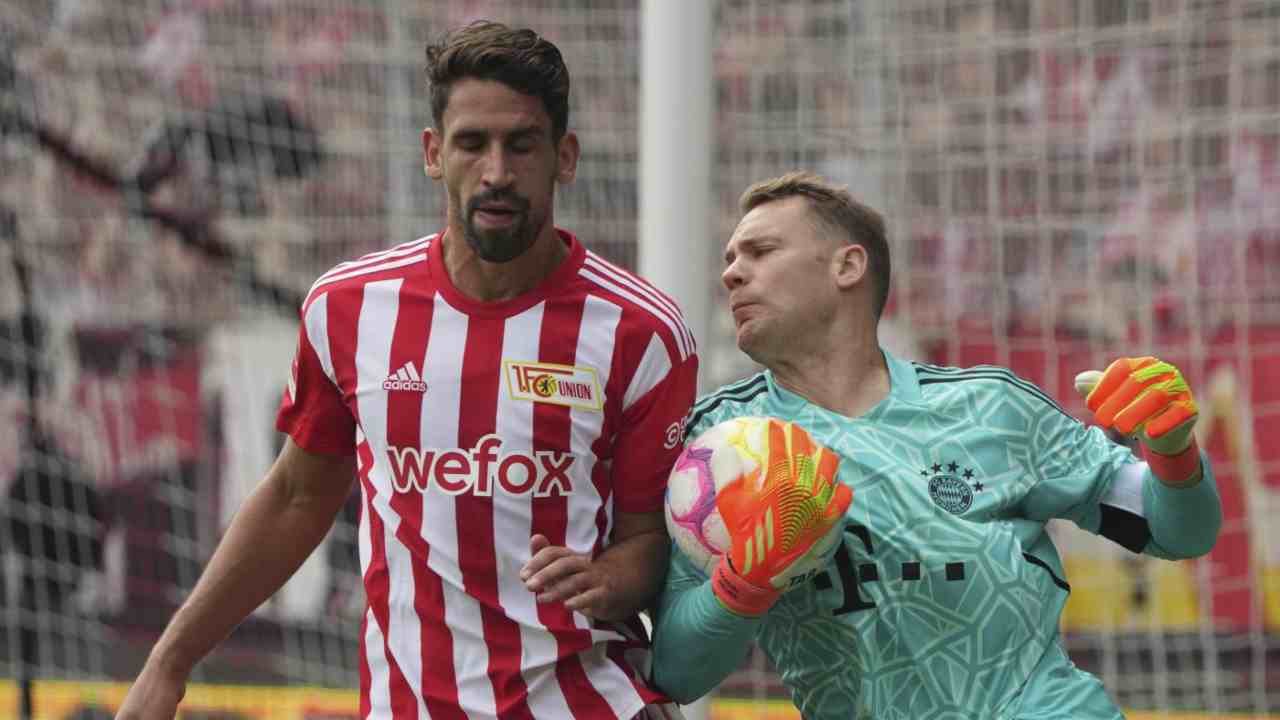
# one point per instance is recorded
(1175, 470)
(737, 594)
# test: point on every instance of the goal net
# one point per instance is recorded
(1065, 182)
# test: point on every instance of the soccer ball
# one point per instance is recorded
(711, 461)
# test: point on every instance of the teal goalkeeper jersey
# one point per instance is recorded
(943, 600)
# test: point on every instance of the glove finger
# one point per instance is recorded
(1119, 399)
(1112, 378)
(827, 465)
(798, 441)
(840, 502)
(1175, 414)
(1145, 406)
(736, 501)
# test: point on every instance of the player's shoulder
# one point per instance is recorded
(744, 397)
(981, 380)
(646, 310)
(380, 265)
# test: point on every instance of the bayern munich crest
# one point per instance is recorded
(951, 487)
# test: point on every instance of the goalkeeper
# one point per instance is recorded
(942, 596)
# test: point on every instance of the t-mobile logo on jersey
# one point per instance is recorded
(544, 473)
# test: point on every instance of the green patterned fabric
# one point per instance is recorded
(944, 598)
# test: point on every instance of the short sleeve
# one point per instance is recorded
(312, 411)
(650, 438)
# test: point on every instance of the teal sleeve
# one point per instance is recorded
(1083, 474)
(697, 642)
(1075, 467)
(1184, 521)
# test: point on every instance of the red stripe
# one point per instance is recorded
(343, 316)
(404, 421)
(481, 364)
(558, 343)
(617, 654)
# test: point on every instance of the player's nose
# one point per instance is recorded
(497, 169)
(732, 277)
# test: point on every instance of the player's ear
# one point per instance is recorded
(431, 146)
(567, 152)
(850, 265)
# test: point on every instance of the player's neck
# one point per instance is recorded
(485, 281)
(848, 377)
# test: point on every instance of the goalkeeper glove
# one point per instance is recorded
(784, 521)
(1148, 398)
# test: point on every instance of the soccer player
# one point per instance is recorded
(943, 598)
(496, 391)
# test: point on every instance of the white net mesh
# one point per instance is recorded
(1065, 181)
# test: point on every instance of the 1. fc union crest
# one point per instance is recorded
(951, 487)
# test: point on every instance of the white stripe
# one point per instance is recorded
(317, 320)
(413, 372)
(668, 309)
(398, 251)
(1126, 490)
(645, 288)
(512, 528)
(379, 670)
(596, 338)
(609, 285)
(442, 369)
(653, 368)
(611, 682)
(401, 374)
(373, 354)
(390, 265)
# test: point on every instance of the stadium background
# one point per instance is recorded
(1065, 180)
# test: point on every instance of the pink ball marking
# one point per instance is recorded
(699, 459)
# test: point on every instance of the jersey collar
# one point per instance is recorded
(904, 386)
(549, 286)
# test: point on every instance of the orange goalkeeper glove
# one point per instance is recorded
(1149, 399)
(783, 521)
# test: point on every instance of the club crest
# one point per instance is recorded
(951, 487)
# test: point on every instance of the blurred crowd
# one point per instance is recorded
(1084, 172)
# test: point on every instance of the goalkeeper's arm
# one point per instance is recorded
(1149, 399)
(697, 641)
(784, 522)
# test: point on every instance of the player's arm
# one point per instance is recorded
(614, 585)
(1150, 400)
(784, 521)
(697, 641)
(1167, 512)
(624, 577)
(273, 532)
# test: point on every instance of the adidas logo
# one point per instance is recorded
(406, 378)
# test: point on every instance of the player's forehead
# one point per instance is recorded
(777, 220)
(490, 107)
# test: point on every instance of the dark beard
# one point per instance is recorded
(499, 245)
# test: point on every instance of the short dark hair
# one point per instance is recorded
(517, 58)
(837, 209)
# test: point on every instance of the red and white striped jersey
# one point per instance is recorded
(477, 425)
